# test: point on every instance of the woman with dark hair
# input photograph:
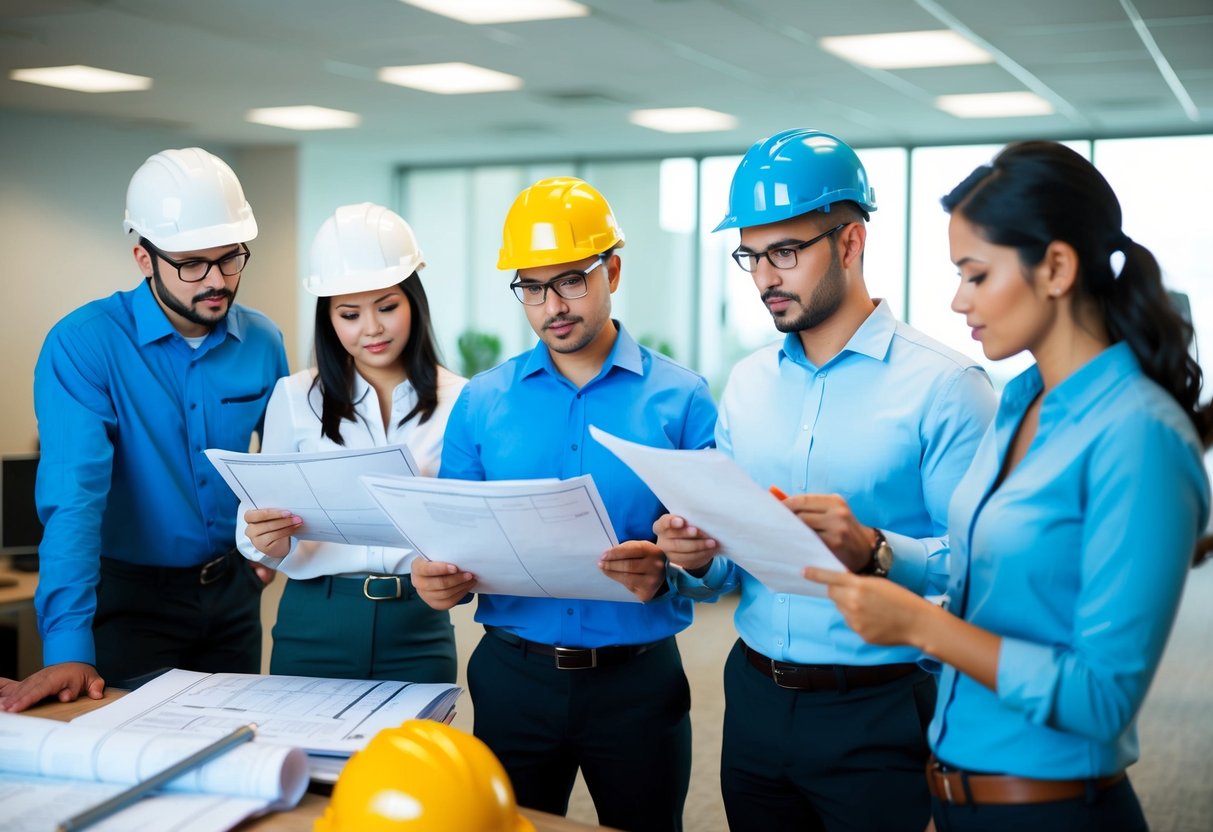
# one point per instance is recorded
(351, 611)
(1073, 530)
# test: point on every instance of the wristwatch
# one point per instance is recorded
(882, 558)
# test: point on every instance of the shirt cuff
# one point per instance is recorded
(909, 561)
(69, 646)
(710, 584)
(1027, 678)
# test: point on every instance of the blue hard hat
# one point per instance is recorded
(792, 173)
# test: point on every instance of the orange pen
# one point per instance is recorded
(778, 492)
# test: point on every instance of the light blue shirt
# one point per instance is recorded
(524, 420)
(125, 410)
(890, 423)
(1078, 561)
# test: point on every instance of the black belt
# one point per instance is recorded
(575, 658)
(205, 573)
(841, 677)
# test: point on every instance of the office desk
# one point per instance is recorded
(17, 601)
(300, 818)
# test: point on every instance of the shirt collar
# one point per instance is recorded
(362, 388)
(872, 339)
(625, 354)
(1081, 391)
(152, 323)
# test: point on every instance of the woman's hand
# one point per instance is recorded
(270, 530)
(880, 611)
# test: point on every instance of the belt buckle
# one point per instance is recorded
(366, 587)
(567, 658)
(212, 571)
(777, 674)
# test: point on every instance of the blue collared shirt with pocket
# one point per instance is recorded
(125, 409)
(524, 420)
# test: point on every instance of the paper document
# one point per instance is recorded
(536, 538)
(321, 716)
(322, 488)
(51, 770)
(752, 528)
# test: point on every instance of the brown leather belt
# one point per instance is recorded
(960, 788)
(825, 676)
(575, 658)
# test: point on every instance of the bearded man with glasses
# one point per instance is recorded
(138, 564)
(561, 684)
(869, 425)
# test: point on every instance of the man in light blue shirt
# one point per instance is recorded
(138, 566)
(870, 425)
(563, 684)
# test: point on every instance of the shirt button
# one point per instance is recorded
(579, 395)
(210, 522)
(821, 374)
(202, 480)
(193, 405)
(781, 599)
(779, 642)
(573, 446)
(569, 611)
(804, 427)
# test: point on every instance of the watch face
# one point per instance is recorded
(884, 556)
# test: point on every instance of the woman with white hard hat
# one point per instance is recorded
(350, 611)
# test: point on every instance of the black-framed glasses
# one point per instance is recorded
(197, 268)
(568, 285)
(781, 256)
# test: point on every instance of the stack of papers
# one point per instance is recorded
(329, 719)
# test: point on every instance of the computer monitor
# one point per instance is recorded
(20, 529)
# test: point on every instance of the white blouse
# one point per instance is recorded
(292, 424)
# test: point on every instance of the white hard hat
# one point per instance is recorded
(185, 200)
(362, 247)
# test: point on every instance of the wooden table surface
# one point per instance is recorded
(301, 818)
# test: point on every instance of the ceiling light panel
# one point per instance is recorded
(994, 105)
(449, 79)
(907, 50)
(81, 78)
(501, 11)
(305, 117)
(683, 120)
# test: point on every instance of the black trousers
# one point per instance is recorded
(1112, 810)
(149, 618)
(627, 727)
(824, 760)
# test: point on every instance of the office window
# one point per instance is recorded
(1165, 188)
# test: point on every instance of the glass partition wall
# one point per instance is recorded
(682, 293)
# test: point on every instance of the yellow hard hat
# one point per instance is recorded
(557, 220)
(423, 775)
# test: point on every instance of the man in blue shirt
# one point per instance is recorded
(563, 684)
(138, 566)
(870, 425)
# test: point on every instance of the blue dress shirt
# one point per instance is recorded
(1077, 561)
(890, 423)
(524, 420)
(125, 409)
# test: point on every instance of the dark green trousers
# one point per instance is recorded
(149, 618)
(329, 627)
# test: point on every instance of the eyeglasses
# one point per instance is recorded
(781, 257)
(569, 285)
(197, 268)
